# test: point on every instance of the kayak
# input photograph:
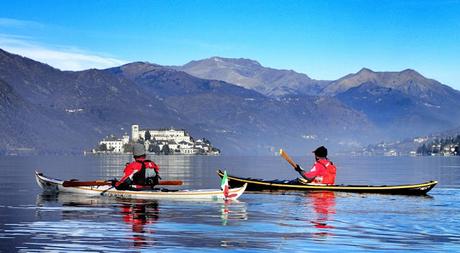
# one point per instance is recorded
(286, 185)
(51, 185)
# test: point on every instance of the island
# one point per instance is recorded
(164, 141)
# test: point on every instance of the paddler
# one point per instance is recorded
(135, 172)
(322, 172)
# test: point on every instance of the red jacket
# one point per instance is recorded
(323, 172)
(136, 167)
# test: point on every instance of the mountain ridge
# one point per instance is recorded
(251, 74)
(56, 111)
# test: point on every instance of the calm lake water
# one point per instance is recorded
(295, 222)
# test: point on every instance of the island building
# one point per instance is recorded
(113, 144)
(160, 134)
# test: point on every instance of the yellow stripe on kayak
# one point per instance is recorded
(335, 187)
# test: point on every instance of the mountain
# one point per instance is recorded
(407, 81)
(244, 120)
(52, 111)
(401, 103)
(252, 75)
(46, 110)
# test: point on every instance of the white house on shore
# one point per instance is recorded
(114, 145)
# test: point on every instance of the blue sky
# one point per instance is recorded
(323, 39)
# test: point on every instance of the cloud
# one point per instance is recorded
(18, 23)
(64, 58)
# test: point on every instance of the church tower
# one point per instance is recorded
(134, 133)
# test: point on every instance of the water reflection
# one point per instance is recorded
(319, 209)
(136, 224)
(229, 213)
(112, 165)
(323, 204)
(140, 215)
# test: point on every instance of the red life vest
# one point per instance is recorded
(323, 172)
(135, 171)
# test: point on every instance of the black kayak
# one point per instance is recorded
(293, 185)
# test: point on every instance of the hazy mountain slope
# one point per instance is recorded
(244, 119)
(250, 74)
(69, 111)
(400, 103)
(51, 111)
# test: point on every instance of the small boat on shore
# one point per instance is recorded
(288, 185)
(52, 185)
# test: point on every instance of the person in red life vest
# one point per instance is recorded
(323, 171)
(134, 176)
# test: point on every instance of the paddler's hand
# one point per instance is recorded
(156, 179)
(298, 168)
(114, 182)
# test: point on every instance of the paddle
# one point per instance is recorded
(104, 191)
(75, 183)
(288, 159)
(292, 163)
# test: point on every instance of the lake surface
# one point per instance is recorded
(295, 222)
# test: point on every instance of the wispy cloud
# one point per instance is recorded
(64, 58)
(18, 23)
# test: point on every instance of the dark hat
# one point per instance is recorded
(321, 152)
(138, 149)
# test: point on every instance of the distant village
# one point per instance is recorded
(168, 141)
(449, 146)
(420, 146)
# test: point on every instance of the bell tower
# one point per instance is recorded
(134, 133)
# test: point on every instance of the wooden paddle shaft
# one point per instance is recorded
(99, 183)
(170, 182)
(288, 159)
(73, 183)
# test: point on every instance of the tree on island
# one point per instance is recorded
(147, 135)
(102, 147)
(166, 150)
(154, 149)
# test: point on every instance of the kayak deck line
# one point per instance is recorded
(55, 185)
(340, 186)
(259, 185)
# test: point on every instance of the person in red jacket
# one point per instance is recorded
(134, 174)
(323, 171)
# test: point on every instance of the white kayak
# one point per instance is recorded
(51, 185)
